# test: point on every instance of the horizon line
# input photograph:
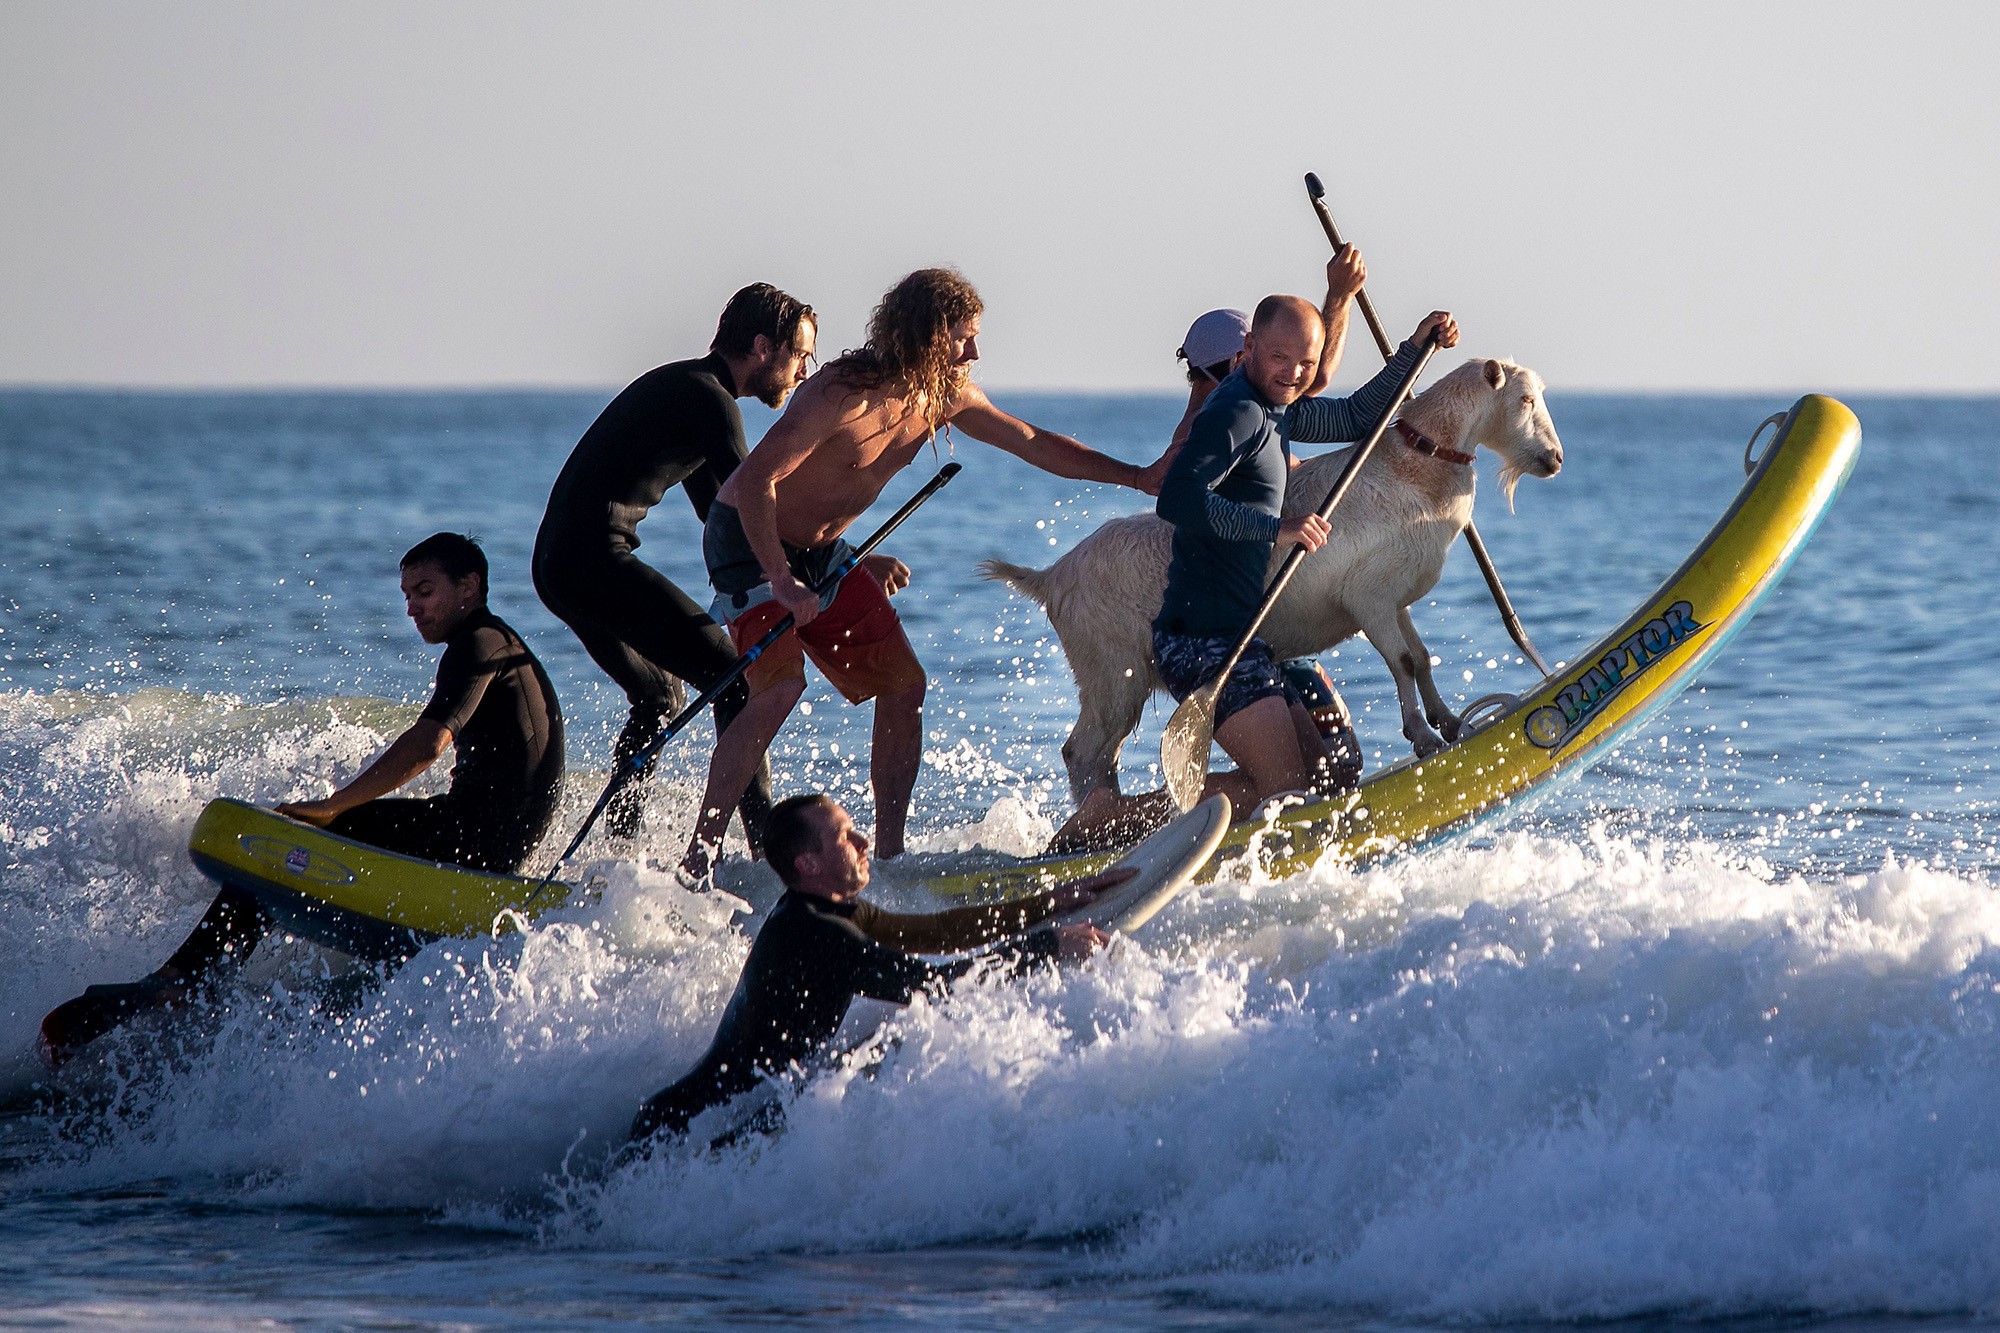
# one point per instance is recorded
(360, 388)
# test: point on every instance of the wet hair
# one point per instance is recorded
(789, 833)
(759, 308)
(909, 341)
(456, 554)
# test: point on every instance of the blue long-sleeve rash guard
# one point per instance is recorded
(1226, 490)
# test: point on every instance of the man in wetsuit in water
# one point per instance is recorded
(821, 947)
(492, 703)
(677, 425)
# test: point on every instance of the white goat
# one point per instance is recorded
(1390, 538)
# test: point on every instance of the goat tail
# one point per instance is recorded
(1030, 583)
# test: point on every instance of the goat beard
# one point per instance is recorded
(1510, 477)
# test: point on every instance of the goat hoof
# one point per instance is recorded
(1447, 728)
(1426, 744)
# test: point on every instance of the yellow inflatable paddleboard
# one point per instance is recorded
(351, 896)
(1572, 717)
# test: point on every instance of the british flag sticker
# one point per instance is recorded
(297, 859)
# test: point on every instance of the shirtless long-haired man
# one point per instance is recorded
(776, 526)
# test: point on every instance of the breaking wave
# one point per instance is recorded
(1594, 1074)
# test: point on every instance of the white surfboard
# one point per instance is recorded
(1167, 862)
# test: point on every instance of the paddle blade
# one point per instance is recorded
(1184, 749)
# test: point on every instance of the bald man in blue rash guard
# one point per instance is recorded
(822, 946)
(1225, 493)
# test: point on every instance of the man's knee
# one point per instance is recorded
(1260, 720)
(1263, 740)
(909, 699)
(758, 723)
(730, 702)
(783, 696)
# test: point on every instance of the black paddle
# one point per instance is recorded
(1515, 629)
(1191, 730)
(636, 765)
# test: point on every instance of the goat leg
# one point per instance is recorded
(1381, 625)
(1106, 716)
(1435, 710)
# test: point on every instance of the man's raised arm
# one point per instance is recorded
(1345, 274)
(1045, 449)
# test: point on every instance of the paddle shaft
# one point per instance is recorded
(1508, 617)
(636, 765)
(1333, 238)
(1333, 498)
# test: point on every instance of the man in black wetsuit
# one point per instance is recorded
(677, 425)
(821, 946)
(492, 703)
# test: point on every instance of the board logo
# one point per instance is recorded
(1555, 725)
(296, 860)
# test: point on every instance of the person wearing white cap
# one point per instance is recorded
(1214, 342)
(1211, 347)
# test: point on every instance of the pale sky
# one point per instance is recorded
(1740, 195)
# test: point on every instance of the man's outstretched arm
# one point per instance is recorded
(1045, 449)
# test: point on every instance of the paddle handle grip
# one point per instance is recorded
(1318, 195)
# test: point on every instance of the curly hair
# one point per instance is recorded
(908, 350)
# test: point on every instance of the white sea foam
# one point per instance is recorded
(1536, 1077)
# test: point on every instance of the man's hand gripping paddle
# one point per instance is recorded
(1191, 730)
(638, 763)
(1515, 630)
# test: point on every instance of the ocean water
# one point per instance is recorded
(1709, 1036)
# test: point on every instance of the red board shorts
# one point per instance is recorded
(858, 643)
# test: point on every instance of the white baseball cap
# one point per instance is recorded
(1216, 336)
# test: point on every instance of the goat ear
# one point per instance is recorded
(1495, 374)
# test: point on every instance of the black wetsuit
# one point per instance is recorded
(677, 425)
(809, 962)
(496, 701)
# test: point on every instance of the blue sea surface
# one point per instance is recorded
(1709, 1035)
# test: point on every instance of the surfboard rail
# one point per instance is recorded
(349, 895)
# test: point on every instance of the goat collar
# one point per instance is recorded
(1423, 444)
